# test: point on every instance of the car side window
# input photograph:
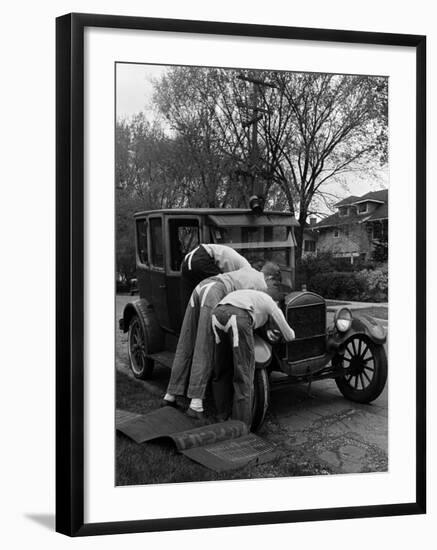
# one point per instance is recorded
(184, 236)
(156, 242)
(143, 253)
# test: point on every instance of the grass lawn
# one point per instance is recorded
(158, 462)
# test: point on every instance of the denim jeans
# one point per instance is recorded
(194, 358)
(234, 365)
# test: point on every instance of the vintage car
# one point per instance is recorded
(350, 350)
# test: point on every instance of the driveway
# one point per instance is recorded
(317, 429)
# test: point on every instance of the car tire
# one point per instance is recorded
(141, 365)
(261, 398)
(365, 366)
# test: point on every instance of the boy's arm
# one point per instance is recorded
(280, 320)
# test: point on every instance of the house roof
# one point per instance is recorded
(374, 196)
(380, 213)
(347, 200)
(336, 220)
(371, 196)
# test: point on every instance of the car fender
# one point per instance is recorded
(147, 316)
(263, 352)
(361, 324)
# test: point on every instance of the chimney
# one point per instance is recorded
(313, 220)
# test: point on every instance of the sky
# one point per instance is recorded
(134, 87)
(134, 91)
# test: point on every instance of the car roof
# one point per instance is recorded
(208, 211)
(225, 217)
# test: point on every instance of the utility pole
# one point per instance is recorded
(254, 168)
(254, 150)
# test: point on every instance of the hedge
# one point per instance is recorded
(367, 285)
(375, 283)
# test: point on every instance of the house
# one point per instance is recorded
(357, 229)
(309, 243)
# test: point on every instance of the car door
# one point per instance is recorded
(183, 235)
(157, 270)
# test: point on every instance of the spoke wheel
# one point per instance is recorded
(140, 364)
(261, 398)
(364, 366)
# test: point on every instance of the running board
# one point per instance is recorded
(289, 381)
(163, 357)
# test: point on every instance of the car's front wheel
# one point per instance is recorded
(261, 398)
(140, 364)
(364, 369)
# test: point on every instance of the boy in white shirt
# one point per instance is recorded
(233, 321)
(193, 362)
(207, 260)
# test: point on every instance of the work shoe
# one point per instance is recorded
(166, 403)
(222, 417)
(197, 415)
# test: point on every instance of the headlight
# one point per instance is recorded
(343, 319)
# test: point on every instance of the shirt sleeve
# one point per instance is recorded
(231, 260)
(280, 320)
(245, 262)
(239, 260)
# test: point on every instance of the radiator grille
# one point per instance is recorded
(307, 321)
(309, 325)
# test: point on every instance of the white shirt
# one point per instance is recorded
(244, 278)
(260, 306)
(225, 257)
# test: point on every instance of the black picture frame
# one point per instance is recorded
(70, 273)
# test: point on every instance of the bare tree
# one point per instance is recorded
(187, 98)
(319, 127)
(310, 129)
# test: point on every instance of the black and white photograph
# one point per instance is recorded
(251, 273)
(217, 292)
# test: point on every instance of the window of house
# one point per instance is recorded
(336, 232)
(309, 246)
(142, 241)
(157, 254)
(377, 230)
(184, 236)
(362, 208)
(346, 231)
(343, 210)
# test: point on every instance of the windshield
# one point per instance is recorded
(250, 243)
(257, 257)
(260, 234)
